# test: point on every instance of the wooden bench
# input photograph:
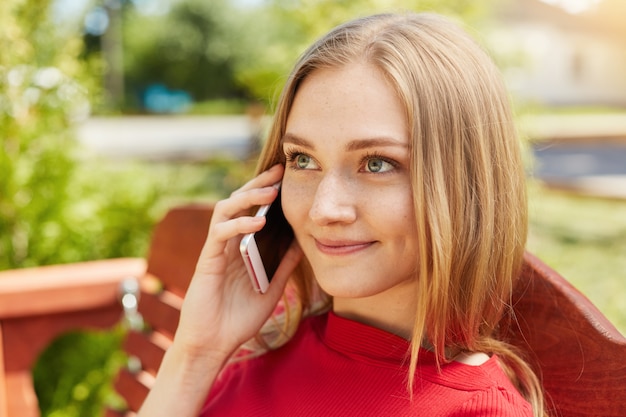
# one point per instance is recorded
(579, 355)
(39, 304)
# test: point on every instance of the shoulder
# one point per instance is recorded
(496, 397)
(496, 401)
(480, 390)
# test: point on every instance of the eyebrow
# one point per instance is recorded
(354, 145)
(297, 140)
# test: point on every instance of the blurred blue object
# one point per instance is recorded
(96, 21)
(157, 98)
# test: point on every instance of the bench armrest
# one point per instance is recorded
(61, 288)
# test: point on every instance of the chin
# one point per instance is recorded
(343, 289)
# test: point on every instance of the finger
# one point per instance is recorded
(221, 233)
(259, 191)
(241, 203)
(236, 227)
(228, 222)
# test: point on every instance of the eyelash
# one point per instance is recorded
(376, 155)
(291, 156)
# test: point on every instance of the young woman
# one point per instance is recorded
(403, 182)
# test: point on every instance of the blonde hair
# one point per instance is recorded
(468, 180)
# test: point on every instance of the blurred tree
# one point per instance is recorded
(186, 49)
(39, 97)
(277, 31)
(53, 208)
(226, 49)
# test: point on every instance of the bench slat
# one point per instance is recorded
(133, 387)
(161, 311)
(149, 348)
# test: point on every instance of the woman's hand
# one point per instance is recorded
(221, 309)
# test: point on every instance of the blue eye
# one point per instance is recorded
(302, 161)
(376, 165)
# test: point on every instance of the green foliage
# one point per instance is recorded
(278, 32)
(39, 97)
(77, 388)
(53, 207)
(111, 211)
(218, 50)
(186, 49)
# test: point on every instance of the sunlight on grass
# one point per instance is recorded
(584, 239)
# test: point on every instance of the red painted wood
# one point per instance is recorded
(580, 355)
(149, 348)
(70, 287)
(161, 311)
(133, 387)
(39, 304)
(176, 245)
(4, 412)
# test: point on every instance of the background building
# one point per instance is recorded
(564, 52)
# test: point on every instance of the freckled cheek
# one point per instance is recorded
(297, 197)
(403, 221)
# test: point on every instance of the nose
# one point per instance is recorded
(335, 201)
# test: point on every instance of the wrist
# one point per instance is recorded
(183, 381)
(192, 361)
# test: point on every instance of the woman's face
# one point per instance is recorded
(347, 190)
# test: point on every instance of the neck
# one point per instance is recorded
(392, 310)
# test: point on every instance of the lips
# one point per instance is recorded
(341, 247)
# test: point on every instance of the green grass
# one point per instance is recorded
(584, 239)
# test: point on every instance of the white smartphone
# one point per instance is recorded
(262, 251)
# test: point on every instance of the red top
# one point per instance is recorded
(338, 367)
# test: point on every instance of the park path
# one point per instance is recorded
(584, 154)
(166, 137)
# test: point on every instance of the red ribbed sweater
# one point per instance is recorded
(338, 367)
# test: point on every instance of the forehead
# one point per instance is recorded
(350, 102)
